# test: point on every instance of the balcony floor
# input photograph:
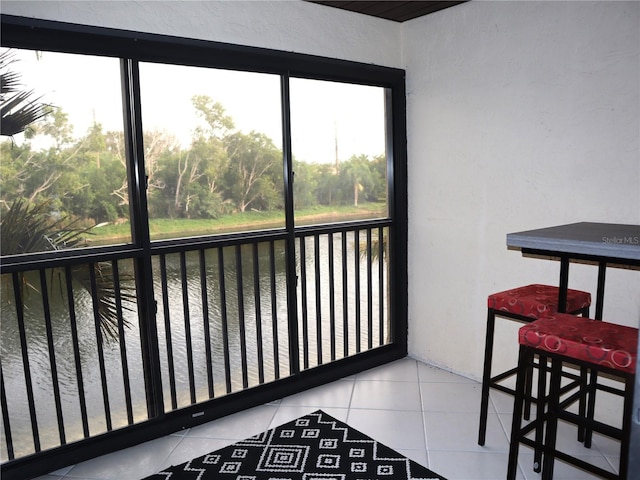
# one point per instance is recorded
(425, 413)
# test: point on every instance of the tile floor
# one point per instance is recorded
(425, 413)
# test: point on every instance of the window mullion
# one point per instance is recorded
(140, 233)
(292, 302)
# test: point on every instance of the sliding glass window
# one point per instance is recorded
(64, 178)
(212, 150)
(339, 150)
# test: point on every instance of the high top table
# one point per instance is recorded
(607, 244)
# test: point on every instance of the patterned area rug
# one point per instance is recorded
(313, 447)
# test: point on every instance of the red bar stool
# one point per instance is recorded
(522, 304)
(601, 347)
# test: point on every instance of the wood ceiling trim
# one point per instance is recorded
(398, 11)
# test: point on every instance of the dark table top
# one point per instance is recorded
(602, 240)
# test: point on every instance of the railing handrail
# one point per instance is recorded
(76, 256)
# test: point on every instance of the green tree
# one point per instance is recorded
(328, 191)
(205, 194)
(191, 177)
(114, 143)
(14, 161)
(357, 173)
(95, 174)
(253, 177)
(159, 150)
(51, 173)
(305, 184)
(162, 202)
(378, 191)
(219, 124)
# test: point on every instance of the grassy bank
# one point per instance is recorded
(183, 227)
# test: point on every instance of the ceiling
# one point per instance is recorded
(397, 11)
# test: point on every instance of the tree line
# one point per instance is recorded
(222, 171)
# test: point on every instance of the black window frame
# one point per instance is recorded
(131, 47)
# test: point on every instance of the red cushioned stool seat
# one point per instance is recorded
(535, 301)
(594, 341)
(522, 304)
(602, 347)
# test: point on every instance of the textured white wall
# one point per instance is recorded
(291, 25)
(521, 115)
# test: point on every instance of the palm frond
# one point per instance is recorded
(20, 111)
(29, 228)
(375, 248)
(9, 81)
(18, 107)
(112, 302)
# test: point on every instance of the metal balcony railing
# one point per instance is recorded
(76, 349)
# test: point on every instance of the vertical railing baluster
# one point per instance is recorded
(381, 287)
(243, 333)
(17, 293)
(256, 301)
(44, 292)
(99, 341)
(76, 350)
(187, 326)
(332, 299)
(316, 257)
(167, 331)
(356, 250)
(205, 321)
(5, 417)
(122, 341)
(303, 294)
(274, 310)
(225, 323)
(369, 293)
(345, 296)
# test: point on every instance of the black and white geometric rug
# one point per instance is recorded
(313, 447)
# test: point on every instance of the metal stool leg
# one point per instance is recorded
(540, 407)
(486, 376)
(488, 380)
(528, 388)
(626, 426)
(552, 420)
(524, 358)
(587, 400)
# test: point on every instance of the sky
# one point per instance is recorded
(322, 113)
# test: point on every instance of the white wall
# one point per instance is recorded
(283, 25)
(521, 115)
